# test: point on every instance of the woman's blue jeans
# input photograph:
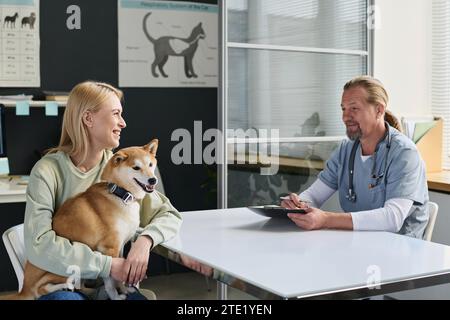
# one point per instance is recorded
(69, 295)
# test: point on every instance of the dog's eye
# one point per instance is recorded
(150, 165)
(136, 168)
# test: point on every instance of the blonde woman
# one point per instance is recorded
(91, 128)
(377, 171)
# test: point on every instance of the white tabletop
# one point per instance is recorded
(13, 189)
(278, 257)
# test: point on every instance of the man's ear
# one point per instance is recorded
(87, 119)
(381, 109)
(119, 157)
(152, 146)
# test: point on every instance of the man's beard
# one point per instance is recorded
(354, 135)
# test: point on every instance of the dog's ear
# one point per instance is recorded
(119, 156)
(152, 146)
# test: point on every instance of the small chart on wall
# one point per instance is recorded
(19, 49)
(167, 44)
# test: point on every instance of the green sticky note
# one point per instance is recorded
(22, 108)
(4, 166)
(51, 108)
(421, 129)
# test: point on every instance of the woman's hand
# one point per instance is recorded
(196, 266)
(313, 219)
(137, 260)
(294, 202)
(118, 271)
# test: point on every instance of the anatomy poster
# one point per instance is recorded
(167, 44)
(19, 46)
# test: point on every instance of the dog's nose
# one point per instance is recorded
(152, 181)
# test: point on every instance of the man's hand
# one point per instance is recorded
(313, 219)
(294, 202)
(317, 219)
(137, 260)
(196, 266)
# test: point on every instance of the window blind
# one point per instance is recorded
(440, 77)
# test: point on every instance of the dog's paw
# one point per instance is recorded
(122, 297)
(126, 289)
(131, 289)
(119, 297)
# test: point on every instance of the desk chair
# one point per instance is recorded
(433, 210)
(14, 244)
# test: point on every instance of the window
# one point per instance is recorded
(286, 64)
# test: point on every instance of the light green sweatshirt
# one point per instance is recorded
(54, 179)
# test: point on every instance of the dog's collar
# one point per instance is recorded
(123, 194)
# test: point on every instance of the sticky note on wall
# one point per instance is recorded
(4, 166)
(51, 108)
(22, 108)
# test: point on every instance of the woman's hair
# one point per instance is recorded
(376, 94)
(85, 96)
(375, 89)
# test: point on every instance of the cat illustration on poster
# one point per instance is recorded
(166, 46)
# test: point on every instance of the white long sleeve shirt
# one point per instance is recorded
(388, 218)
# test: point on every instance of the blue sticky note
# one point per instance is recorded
(51, 108)
(22, 108)
(4, 166)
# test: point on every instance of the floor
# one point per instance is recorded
(185, 286)
(188, 286)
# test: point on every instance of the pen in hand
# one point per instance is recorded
(304, 201)
(288, 198)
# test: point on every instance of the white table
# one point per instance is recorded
(272, 258)
(12, 189)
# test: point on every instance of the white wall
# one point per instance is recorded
(402, 52)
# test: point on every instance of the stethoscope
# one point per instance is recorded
(351, 195)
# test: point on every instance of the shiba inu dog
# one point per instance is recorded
(104, 217)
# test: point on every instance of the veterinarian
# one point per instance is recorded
(91, 128)
(377, 171)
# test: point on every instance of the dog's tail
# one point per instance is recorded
(144, 27)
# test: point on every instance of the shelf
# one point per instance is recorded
(33, 103)
(439, 181)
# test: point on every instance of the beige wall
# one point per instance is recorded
(403, 54)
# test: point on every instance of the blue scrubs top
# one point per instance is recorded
(404, 177)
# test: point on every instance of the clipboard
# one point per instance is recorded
(273, 211)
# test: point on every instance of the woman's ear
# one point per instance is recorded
(87, 119)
